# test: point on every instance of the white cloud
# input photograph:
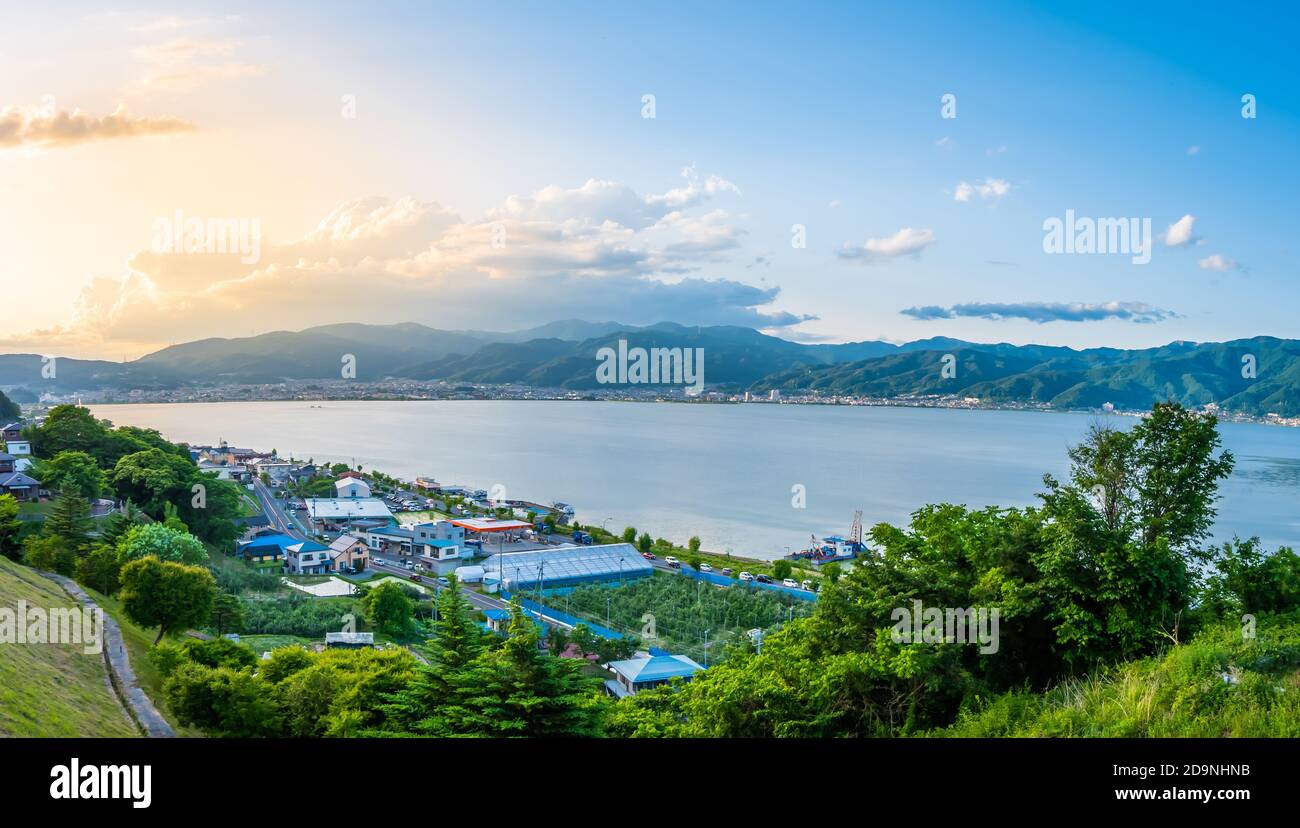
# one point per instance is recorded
(1193, 150)
(994, 188)
(1218, 263)
(48, 128)
(906, 242)
(1181, 232)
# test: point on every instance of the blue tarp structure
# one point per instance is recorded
(723, 580)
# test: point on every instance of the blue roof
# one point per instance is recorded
(280, 541)
(496, 614)
(656, 668)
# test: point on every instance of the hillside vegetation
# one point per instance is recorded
(1219, 684)
(52, 689)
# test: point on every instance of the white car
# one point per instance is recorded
(745, 576)
(705, 568)
(410, 565)
(671, 561)
(808, 585)
(790, 583)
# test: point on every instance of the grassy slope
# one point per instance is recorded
(1182, 693)
(52, 689)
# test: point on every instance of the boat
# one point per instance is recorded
(833, 547)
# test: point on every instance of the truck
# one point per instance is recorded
(582, 537)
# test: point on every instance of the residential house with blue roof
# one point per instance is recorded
(636, 674)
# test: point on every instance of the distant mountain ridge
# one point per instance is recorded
(563, 355)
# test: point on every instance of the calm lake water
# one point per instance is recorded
(723, 472)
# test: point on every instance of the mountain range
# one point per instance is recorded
(1250, 376)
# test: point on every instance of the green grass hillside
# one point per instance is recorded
(1219, 684)
(52, 689)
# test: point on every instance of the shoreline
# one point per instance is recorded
(884, 402)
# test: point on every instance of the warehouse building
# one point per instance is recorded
(567, 567)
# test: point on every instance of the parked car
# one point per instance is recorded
(791, 583)
(808, 585)
(409, 565)
(745, 576)
(378, 562)
(649, 556)
(726, 570)
(706, 568)
(416, 578)
(763, 579)
(673, 562)
(444, 582)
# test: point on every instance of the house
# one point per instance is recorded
(436, 553)
(276, 471)
(348, 552)
(265, 550)
(388, 539)
(308, 558)
(351, 487)
(6, 462)
(19, 485)
(636, 674)
(349, 640)
(11, 432)
(22, 452)
(442, 530)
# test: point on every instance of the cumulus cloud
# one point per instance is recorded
(906, 242)
(1218, 263)
(598, 251)
(1043, 312)
(46, 127)
(1181, 232)
(994, 188)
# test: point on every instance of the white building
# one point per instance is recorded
(351, 487)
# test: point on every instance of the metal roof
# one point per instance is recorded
(656, 668)
(347, 507)
(568, 565)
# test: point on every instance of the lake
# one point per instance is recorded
(724, 472)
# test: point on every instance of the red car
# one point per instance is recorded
(415, 578)
(649, 556)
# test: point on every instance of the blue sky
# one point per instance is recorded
(827, 117)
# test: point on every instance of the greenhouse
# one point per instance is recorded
(550, 569)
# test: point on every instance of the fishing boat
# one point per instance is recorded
(833, 547)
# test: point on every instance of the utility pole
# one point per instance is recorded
(706, 648)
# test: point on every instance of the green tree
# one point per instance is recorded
(1247, 580)
(99, 569)
(65, 535)
(167, 595)
(832, 571)
(693, 544)
(516, 690)
(388, 609)
(75, 469)
(162, 542)
(644, 543)
(629, 534)
(227, 613)
(781, 569)
(10, 526)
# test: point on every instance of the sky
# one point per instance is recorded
(824, 172)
